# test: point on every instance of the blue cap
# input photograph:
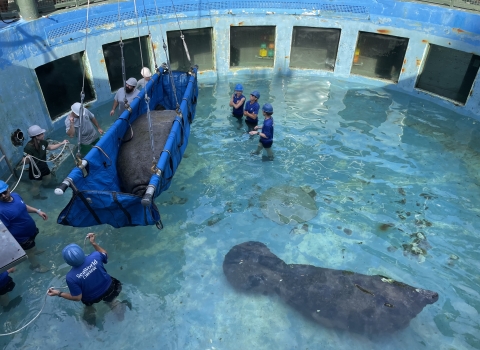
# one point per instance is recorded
(238, 87)
(3, 186)
(73, 255)
(256, 94)
(267, 107)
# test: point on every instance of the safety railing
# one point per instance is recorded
(473, 5)
(9, 8)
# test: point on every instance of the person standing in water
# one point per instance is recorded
(14, 214)
(265, 132)
(37, 147)
(237, 102)
(88, 281)
(251, 110)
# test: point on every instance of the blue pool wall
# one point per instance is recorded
(27, 45)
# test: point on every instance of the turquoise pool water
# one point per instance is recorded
(395, 180)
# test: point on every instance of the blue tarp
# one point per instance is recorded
(97, 198)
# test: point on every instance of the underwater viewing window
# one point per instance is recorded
(133, 61)
(448, 72)
(199, 42)
(379, 56)
(53, 84)
(314, 48)
(252, 46)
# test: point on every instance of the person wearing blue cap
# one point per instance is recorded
(265, 132)
(251, 110)
(88, 281)
(14, 214)
(237, 102)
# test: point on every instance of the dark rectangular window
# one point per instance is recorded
(132, 58)
(61, 83)
(252, 46)
(449, 73)
(314, 48)
(379, 56)
(199, 44)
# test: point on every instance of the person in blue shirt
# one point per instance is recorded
(251, 110)
(6, 285)
(237, 102)
(14, 214)
(88, 281)
(265, 132)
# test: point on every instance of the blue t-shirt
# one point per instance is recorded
(267, 129)
(238, 111)
(3, 279)
(89, 279)
(16, 218)
(252, 108)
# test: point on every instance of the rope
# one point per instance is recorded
(182, 36)
(124, 75)
(36, 316)
(147, 99)
(82, 94)
(30, 157)
(150, 36)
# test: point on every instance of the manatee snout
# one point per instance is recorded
(429, 296)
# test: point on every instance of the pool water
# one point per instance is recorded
(395, 180)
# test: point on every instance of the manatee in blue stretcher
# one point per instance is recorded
(134, 161)
(334, 298)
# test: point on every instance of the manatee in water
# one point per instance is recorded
(134, 162)
(334, 298)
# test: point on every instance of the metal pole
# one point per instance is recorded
(28, 9)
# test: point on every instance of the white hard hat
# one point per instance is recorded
(35, 130)
(76, 108)
(145, 72)
(132, 82)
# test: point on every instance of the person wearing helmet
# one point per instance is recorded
(36, 148)
(14, 214)
(89, 135)
(128, 92)
(251, 110)
(147, 75)
(265, 132)
(237, 102)
(88, 281)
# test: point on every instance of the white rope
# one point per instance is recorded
(36, 316)
(30, 157)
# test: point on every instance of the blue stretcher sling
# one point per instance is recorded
(96, 190)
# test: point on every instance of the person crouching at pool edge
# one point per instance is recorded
(266, 132)
(88, 281)
(251, 110)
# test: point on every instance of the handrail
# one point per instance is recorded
(9, 9)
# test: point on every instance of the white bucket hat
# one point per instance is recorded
(35, 130)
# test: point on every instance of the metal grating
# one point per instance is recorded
(59, 31)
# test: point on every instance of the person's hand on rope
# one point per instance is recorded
(91, 237)
(64, 142)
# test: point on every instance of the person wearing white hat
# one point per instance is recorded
(147, 75)
(37, 147)
(90, 126)
(129, 92)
